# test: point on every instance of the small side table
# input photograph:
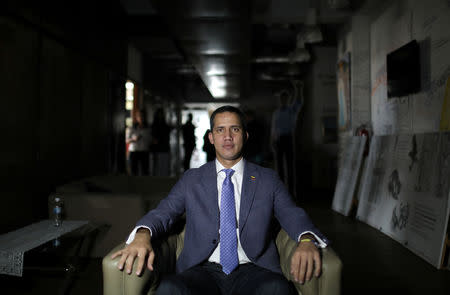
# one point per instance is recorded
(13, 245)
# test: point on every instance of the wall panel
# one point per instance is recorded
(19, 89)
(60, 113)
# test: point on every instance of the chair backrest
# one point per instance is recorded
(180, 241)
(117, 212)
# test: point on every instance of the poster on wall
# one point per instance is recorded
(349, 171)
(405, 191)
(343, 91)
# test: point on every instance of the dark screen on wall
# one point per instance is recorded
(403, 70)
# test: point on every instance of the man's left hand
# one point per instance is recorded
(304, 261)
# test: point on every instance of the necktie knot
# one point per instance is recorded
(228, 172)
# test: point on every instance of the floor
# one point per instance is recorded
(373, 263)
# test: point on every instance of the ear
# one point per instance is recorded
(210, 137)
(246, 138)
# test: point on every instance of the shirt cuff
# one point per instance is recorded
(320, 243)
(133, 233)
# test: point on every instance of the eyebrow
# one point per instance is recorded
(232, 126)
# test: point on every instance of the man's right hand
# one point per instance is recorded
(140, 248)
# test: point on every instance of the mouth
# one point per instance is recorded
(228, 146)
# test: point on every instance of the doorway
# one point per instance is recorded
(200, 119)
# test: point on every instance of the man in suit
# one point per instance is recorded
(227, 251)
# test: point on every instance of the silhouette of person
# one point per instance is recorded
(138, 140)
(160, 144)
(254, 146)
(282, 133)
(208, 148)
(188, 131)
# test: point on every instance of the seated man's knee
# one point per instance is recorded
(172, 286)
(276, 286)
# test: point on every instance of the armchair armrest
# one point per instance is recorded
(328, 283)
(116, 282)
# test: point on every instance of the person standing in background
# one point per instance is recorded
(282, 133)
(188, 130)
(160, 144)
(138, 140)
(254, 149)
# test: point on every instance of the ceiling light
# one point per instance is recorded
(300, 53)
(217, 81)
(218, 92)
(214, 51)
(311, 31)
(217, 86)
(129, 85)
(215, 70)
(312, 34)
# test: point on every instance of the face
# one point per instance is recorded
(227, 137)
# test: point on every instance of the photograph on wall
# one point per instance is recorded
(343, 92)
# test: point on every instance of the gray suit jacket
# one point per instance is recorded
(263, 196)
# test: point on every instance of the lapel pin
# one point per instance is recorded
(253, 177)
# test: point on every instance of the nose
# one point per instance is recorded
(227, 134)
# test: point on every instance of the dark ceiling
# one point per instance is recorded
(199, 50)
(215, 44)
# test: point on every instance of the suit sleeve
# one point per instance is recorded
(160, 219)
(293, 219)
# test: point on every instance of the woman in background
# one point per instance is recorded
(138, 140)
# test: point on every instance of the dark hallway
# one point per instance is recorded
(82, 82)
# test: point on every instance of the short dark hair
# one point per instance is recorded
(230, 109)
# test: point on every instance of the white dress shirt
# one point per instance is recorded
(236, 179)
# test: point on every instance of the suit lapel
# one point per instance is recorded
(249, 183)
(209, 185)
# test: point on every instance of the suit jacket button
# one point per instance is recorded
(214, 241)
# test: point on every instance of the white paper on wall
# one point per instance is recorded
(389, 32)
(349, 172)
(405, 191)
(431, 28)
(428, 22)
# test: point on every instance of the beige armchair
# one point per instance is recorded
(116, 282)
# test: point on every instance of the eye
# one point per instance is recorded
(236, 129)
(219, 130)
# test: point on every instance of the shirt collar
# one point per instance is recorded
(238, 167)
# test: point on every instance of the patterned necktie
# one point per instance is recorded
(228, 239)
